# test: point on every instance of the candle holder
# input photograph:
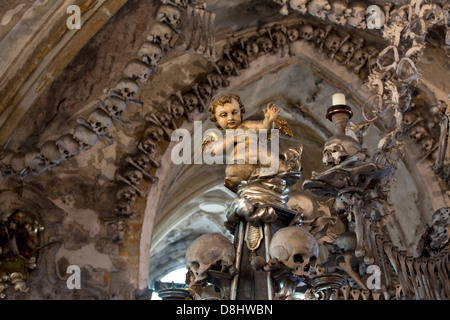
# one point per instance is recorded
(339, 113)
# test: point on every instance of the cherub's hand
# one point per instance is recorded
(271, 112)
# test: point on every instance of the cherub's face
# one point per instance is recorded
(228, 115)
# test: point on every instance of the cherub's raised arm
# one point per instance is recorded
(270, 114)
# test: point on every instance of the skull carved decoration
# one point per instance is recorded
(339, 148)
(211, 251)
(297, 249)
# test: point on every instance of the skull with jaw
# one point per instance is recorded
(169, 14)
(339, 148)
(297, 249)
(100, 121)
(137, 70)
(50, 154)
(115, 106)
(264, 44)
(85, 137)
(151, 54)
(162, 34)
(306, 32)
(211, 251)
(68, 146)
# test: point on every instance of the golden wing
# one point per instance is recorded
(283, 126)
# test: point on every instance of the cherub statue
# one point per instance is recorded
(226, 110)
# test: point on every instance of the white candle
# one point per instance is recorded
(338, 99)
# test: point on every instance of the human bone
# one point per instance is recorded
(137, 70)
(301, 202)
(115, 106)
(279, 39)
(122, 208)
(264, 43)
(126, 193)
(127, 88)
(297, 249)
(68, 146)
(226, 67)
(319, 8)
(18, 164)
(154, 132)
(357, 15)
(50, 154)
(134, 176)
(85, 137)
(99, 121)
(339, 148)
(190, 101)
(338, 13)
(35, 161)
(240, 58)
(211, 251)
(251, 48)
(299, 5)
(292, 34)
(306, 31)
(332, 42)
(151, 54)
(169, 14)
(161, 33)
(175, 107)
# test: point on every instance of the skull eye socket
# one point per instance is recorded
(298, 258)
(195, 265)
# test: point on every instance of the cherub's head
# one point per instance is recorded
(226, 110)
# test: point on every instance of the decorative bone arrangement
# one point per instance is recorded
(291, 247)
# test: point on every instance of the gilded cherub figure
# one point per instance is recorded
(247, 139)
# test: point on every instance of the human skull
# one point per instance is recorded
(115, 106)
(346, 241)
(122, 208)
(427, 145)
(279, 39)
(169, 14)
(251, 48)
(85, 137)
(418, 132)
(134, 176)
(205, 91)
(127, 194)
(240, 58)
(142, 160)
(99, 121)
(18, 163)
(319, 35)
(161, 33)
(339, 148)
(212, 251)
(50, 154)
(151, 54)
(215, 80)
(439, 234)
(68, 146)
(299, 5)
(306, 31)
(332, 42)
(176, 107)
(127, 88)
(292, 34)
(338, 13)
(347, 49)
(359, 58)
(297, 249)
(137, 70)
(264, 44)
(154, 132)
(226, 67)
(357, 15)
(190, 101)
(35, 161)
(319, 8)
(301, 202)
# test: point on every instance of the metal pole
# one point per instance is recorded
(240, 238)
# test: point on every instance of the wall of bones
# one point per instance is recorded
(87, 115)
